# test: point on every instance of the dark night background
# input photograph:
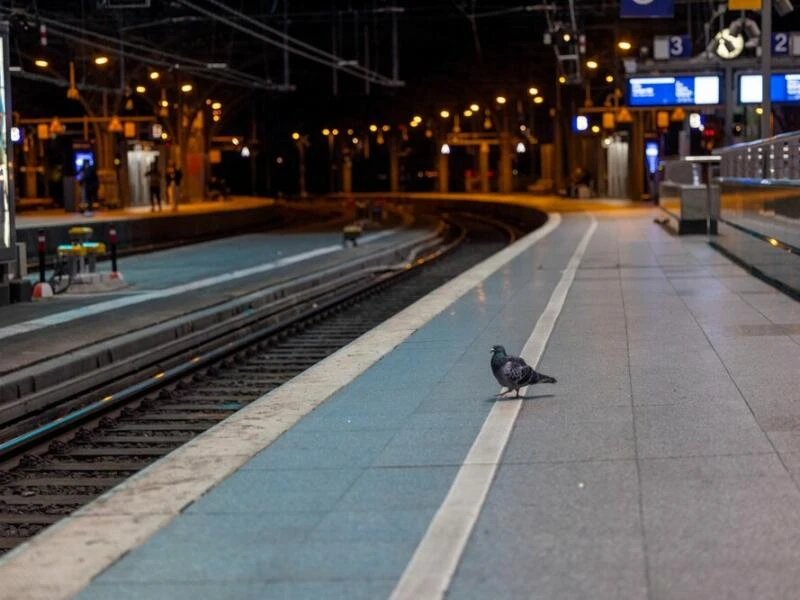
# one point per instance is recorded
(451, 53)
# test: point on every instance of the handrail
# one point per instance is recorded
(756, 143)
(775, 158)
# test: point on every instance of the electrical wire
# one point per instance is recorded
(349, 69)
(166, 59)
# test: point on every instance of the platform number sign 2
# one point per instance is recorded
(780, 44)
(680, 46)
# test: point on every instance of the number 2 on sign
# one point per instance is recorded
(780, 43)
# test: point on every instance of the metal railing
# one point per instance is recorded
(771, 159)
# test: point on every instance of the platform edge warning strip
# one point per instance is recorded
(436, 558)
(78, 548)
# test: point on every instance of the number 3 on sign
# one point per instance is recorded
(680, 46)
(780, 43)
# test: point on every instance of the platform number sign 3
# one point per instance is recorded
(680, 46)
(780, 44)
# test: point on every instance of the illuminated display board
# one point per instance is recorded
(688, 90)
(784, 88)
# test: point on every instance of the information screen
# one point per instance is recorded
(784, 88)
(687, 90)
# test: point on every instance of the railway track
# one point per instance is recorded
(72, 468)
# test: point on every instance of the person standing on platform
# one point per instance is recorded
(154, 176)
(91, 185)
(178, 177)
(171, 182)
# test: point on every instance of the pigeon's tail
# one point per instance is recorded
(546, 378)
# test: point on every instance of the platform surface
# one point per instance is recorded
(171, 283)
(663, 464)
(57, 217)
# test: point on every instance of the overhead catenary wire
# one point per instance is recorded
(161, 58)
(200, 72)
(349, 69)
(287, 39)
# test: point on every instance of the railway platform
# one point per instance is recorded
(664, 463)
(138, 228)
(167, 284)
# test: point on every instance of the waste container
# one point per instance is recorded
(72, 202)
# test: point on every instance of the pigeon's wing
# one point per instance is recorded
(517, 371)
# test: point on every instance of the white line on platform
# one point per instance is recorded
(101, 307)
(76, 549)
(435, 560)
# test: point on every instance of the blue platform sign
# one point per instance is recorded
(688, 90)
(651, 152)
(780, 43)
(646, 9)
(580, 123)
(680, 46)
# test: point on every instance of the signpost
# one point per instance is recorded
(666, 47)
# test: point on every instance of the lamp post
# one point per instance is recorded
(301, 142)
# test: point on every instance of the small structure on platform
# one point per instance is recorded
(80, 257)
(351, 234)
(684, 197)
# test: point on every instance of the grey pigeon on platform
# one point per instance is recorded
(513, 372)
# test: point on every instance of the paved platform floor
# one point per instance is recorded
(51, 217)
(664, 464)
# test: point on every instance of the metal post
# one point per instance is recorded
(730, 95)
(334, 50)
(302, 150)
(112, 240)
(558, 162)
(766, 68)
(330, 165)
(709, 193)
(286, 43)
(366, 57)
(395, 60)
(41, 246)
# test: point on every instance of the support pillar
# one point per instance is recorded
(505, 164)
(636, 158)
(347, 174)
(394, 164)
(194, 160)
(444, 173)
(29, 150)
(483, 167)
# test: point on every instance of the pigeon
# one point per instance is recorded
(513, 372)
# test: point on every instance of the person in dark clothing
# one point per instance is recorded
(174, 178)
(91, 185)
(154, 178)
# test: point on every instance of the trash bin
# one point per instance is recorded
(71, 195)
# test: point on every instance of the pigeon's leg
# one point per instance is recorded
(501, 394)
(517, 390)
